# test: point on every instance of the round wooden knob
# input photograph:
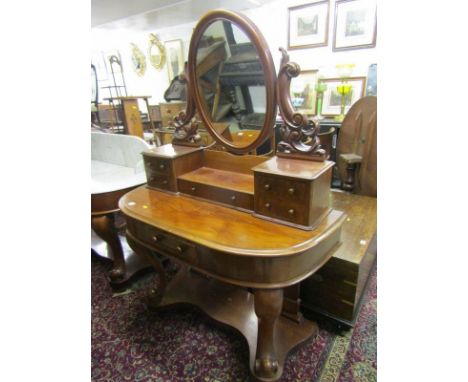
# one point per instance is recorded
(193, 188)
(161, 166)
(267, 187)
(267, 205)
(291, 211)
(233, 197)
(179, 249)
(291, 191)
(155, 238)
(164, 181)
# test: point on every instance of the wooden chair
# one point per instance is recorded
(336, 289)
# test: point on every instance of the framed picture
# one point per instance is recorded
(332, 99)
(303, 94)
(308, 25)
(175, 58)
(355, 24)
(138, 60)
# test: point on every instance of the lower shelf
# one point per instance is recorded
(234, 307)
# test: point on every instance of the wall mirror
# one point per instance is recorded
(156, 52)
(233, 77)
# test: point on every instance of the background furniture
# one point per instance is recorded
(336, 289)
(116, 168)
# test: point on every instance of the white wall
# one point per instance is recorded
(271, 19)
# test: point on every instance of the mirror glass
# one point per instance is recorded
(231, 81)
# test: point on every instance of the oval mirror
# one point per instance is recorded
(156, 52)
(233, 80)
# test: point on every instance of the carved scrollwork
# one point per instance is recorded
(299, 133)
(185, 125)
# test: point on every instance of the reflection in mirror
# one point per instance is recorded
(232, 82)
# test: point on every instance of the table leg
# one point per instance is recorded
(104, 227)
(268, 305)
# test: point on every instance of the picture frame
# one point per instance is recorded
(303, 94)
(308, 25)
(355, 24)
(174, 57)
(332, 99)
(138, 60)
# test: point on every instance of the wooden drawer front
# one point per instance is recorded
(165, 242)
(158, 165)
(221, 195)
(281, 198)
(163, 182)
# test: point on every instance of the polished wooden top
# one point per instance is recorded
(360, 224)
(221, 178)
(222, 228)
(294, 168)
(171, 151)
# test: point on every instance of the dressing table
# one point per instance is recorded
(246, 229)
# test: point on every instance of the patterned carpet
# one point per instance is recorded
(129, 343)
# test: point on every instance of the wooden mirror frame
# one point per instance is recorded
(257, 39)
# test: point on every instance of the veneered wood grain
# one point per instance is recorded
(222, 228)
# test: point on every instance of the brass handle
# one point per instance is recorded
(291, 191)
(267, 205)
(291, 211)
(267, 187)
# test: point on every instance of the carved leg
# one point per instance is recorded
(152, 297)
(104, 226)
(268, 305)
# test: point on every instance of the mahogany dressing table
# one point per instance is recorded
(246, 229)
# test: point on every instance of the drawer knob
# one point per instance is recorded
(193, 188)
(155, 238)
(233, 197)
(291, 211)
(161, 166)
(267, 187)
(164, 181)
(291, 191)
(267, 205)
(179, 249)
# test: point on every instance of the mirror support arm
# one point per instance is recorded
(186, 127)
(299, 133)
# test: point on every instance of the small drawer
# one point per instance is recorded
(163, 182)
(289, 191)
(158, 165)
(166, 243)
(220, 195)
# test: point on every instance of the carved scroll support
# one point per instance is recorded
(299, 134)
(186, 127)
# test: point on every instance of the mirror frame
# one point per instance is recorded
(155, 42)
(257, 39)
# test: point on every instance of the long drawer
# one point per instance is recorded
(217, 194)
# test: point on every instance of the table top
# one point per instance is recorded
(223, 228)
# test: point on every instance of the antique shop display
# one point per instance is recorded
(246, 229)
(303, 92)
(308, 25)
(355, 24)
(156, 52)
(333, 100)
(175, 57)
(138, 60)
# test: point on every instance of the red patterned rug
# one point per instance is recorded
(129, 343)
